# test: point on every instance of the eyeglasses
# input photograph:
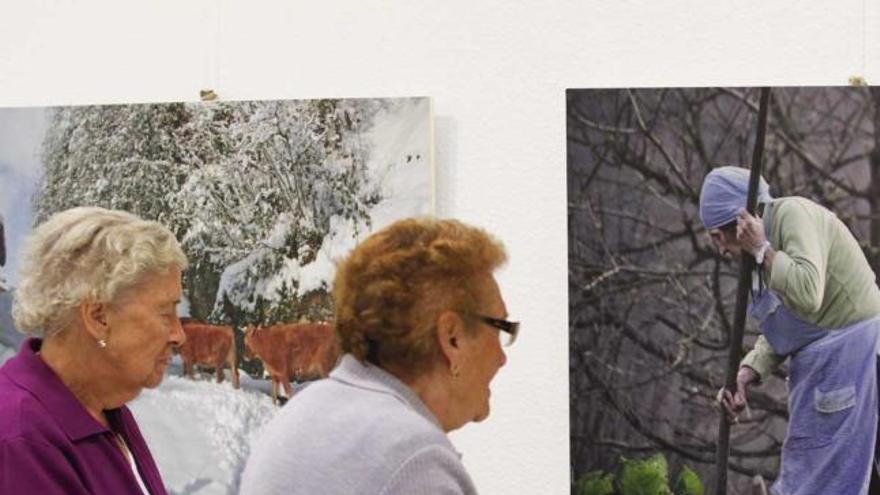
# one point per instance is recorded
(511, 328)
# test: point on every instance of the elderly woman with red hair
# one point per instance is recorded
(421, 321)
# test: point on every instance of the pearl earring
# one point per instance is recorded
(102, 343)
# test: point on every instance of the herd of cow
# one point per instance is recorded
(289, 351)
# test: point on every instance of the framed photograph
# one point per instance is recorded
(264, 197)
(653, 279)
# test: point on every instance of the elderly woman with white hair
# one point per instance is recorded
(101, 287)
(818, 305)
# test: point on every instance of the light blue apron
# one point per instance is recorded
(832, 403)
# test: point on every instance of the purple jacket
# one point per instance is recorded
(50, 444)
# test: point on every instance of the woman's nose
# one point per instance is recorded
(178, 336)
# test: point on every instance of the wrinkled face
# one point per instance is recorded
(725, 242)
(144, 328)
(484, 355)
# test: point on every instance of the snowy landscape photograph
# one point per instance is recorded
(651, 297)
(264, 197)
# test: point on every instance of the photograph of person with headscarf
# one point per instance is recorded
(657, 187)
(820, 307)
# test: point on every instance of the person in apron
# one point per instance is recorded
(816, 302)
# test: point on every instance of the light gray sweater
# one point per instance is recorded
(360, 431)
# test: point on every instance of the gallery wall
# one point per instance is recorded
(496, 72)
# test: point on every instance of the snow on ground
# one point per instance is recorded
(200, 432)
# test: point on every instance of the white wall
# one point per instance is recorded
(496, 70)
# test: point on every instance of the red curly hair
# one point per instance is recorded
(391, 289)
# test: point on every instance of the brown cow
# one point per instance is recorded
(210, 345)
(301, 351)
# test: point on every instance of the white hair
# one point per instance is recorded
(87, 254)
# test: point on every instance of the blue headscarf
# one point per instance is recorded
(724, 191)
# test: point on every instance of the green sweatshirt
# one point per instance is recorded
(819, 272)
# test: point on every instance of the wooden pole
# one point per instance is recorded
(747, 266)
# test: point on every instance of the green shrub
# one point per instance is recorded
(595, 483)
(639, 477)
(645, 477)
(688, 483)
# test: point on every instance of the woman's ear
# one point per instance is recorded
(450, 331)
(94, 318)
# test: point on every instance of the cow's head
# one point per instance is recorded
(249, 332)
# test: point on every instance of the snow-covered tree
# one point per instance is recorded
(252, 190)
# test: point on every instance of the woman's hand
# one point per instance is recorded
(734, 403)
(750, 232)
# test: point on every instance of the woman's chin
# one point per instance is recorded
(483, 414)
(156, 376)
